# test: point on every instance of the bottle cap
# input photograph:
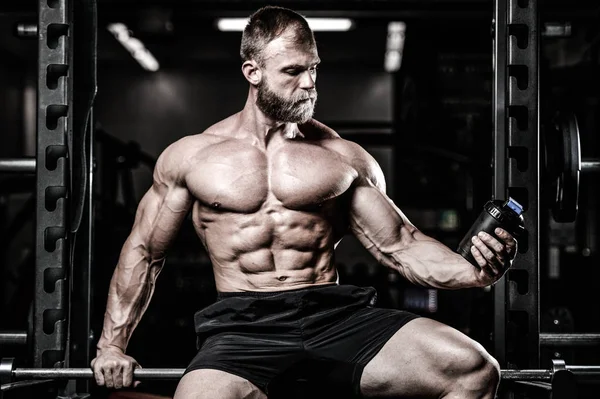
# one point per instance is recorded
(514, 205)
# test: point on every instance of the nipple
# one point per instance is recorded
(216, 205)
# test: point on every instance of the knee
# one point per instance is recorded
(210, 384)
(478, 371)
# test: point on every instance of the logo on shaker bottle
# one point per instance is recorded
(495, 212)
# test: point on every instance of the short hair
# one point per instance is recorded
(267, 24)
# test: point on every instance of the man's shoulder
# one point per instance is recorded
(194, 143)
(354, 154)
(179, 156)
(188, 146)
(331, 140)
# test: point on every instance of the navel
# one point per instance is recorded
(216, 205)
(282, 278)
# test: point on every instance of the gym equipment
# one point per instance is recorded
(563, 165)
(569, 339)
(9, 374)
(516, 174)
(17, 165)
(54, 117)
(590, 165)
(26, 31)
(13, 338)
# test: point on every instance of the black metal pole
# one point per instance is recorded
(53, 124)
(523, 179)
(499, 190)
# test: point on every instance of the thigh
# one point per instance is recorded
(423, 358)
(253, 357)
(357, 338)
(211, 384)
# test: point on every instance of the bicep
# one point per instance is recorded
(378, 223)
(159, 216)
(374, 218)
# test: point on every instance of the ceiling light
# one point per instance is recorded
(134, 46)
(316, 24)
(393, 60)
(394, 46)
(330, 24)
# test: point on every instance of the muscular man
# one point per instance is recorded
(272, 192)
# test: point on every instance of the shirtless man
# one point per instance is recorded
(272, 192)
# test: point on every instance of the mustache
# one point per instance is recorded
(312, 94)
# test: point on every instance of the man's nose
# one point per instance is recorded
(307, 81)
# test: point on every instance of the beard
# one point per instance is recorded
(298, 109)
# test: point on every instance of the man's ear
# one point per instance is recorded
(252, 72)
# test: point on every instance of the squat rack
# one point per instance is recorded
(66, 88)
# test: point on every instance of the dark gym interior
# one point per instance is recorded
(429, 122)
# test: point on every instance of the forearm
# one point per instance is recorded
(424, 261)
(421, 259)
(432, 264)
(130, 291)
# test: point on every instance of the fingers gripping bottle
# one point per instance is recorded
(507, 215)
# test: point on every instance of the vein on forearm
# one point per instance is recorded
(424, 262)
(130, 296)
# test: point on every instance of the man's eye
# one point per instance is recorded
(292, 72)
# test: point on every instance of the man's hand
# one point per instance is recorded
(114, 368)
(493, 256)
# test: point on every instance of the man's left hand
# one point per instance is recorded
(494, 255)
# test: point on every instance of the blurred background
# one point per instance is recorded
(410, 81)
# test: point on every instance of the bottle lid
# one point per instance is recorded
(514, 205)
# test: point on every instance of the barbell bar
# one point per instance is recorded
(25, 30)
(18, 165)
(590, 165)
(13, 338)
(569, 339)
(9, 373)
(87, 373)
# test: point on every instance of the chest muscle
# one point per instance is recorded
(244, 179)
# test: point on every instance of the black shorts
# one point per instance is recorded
(321, 335)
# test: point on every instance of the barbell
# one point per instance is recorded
(9, 373)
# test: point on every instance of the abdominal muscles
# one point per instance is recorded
(274, 248)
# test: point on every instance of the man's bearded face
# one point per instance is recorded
(297, 109)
